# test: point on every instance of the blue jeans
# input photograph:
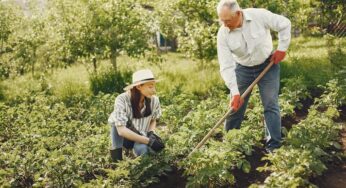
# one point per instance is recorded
(117, 142)
(269, 87)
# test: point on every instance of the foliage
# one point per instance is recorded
(58, 136)
(195, 26)
(109, 81)
(307, 144)
(290, 98)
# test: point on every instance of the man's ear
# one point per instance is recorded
(238, 12)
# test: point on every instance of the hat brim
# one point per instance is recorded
(139, 83)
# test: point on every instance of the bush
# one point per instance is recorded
(337, 56)
(72, 92)
(109, 81)
(315, 71)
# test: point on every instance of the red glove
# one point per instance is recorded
(236, 102)
(278, 56)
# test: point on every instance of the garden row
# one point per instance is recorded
(46, 143)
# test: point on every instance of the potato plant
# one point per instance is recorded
(309, 144)
(46, 142)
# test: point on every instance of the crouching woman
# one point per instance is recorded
(133, 120)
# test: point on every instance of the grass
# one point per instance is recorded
(70, 82)
(62, 83)
(307, 57)
(14, 88)
(176, 71)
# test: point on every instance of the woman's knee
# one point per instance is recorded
(117, 141)
(140, 149)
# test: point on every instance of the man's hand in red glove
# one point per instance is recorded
(236, 102)
(278, 56)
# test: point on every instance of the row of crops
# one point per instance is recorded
(46, 143)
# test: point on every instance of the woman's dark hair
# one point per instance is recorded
(135, 99)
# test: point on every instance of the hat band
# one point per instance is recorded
(145, 80)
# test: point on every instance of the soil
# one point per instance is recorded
(172, 179)
(334, 177)
(246, 179)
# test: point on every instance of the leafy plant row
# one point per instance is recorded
(46, 143)
(308, 145)
(212, 165)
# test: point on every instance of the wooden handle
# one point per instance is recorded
(230, 111)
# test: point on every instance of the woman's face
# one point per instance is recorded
(147, 89)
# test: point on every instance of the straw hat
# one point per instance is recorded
(141, 77)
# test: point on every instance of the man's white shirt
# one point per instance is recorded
(251, 44)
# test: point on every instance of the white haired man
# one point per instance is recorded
(245, 47)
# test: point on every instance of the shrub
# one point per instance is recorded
(72, 92)
(109, 81)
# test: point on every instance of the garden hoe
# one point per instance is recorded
(230, 111)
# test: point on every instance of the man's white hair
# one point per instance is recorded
(231, 4)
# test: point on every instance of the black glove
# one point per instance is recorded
(155, 142)
(150, 133)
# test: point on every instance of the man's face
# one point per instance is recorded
(229, 19)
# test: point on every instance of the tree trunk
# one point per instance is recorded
(166, 46)
(2, 47)
(114, 60)
(32, 68)
(158, 50)
(33, 63)
(174, 44)
(94, 64)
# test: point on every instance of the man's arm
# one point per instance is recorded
(280, 24)
(227, 64)
(227, 69)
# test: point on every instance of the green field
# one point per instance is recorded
(54, 130)
(64, 62)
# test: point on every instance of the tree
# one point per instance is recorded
(102, 29)
(26, 42)
(66, 24)
(333, 13)
(193, 23)
(122, 27)
(10, 19)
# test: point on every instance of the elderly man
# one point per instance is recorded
(244, 46)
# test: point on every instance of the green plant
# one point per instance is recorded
(109, 81)
(306, 145)
(292, 93)
(292, 167)
(72, 92)
(195, 27)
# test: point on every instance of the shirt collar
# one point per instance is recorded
(247, 16)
